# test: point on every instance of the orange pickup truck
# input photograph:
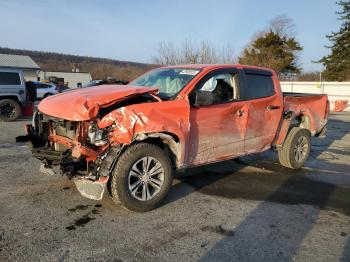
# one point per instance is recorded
(131, 138)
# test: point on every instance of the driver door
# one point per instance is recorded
(218, 129)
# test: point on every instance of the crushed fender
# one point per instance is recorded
(170, 118)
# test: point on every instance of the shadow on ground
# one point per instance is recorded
(261, 178)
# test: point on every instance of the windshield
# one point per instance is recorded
(169, 81)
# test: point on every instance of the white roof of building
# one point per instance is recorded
(17, 61)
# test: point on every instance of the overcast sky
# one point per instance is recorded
(131, 29)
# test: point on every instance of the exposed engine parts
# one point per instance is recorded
(96, 136)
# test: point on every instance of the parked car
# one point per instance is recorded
(45, 89)
(15, 95)
(92, 83)
(108, 81)
(133, 137)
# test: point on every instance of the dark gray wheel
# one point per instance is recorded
(296, 148)
(146, 178)
(301, 149)
(142, 177)
(10, 110)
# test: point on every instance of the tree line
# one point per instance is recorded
(100, 68)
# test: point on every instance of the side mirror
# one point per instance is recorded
(204, 98)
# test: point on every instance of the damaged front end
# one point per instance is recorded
(78, 149)
(84, 138)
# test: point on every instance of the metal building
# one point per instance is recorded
(70, 79)
(25, 63)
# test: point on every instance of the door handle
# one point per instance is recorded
(272, 107)
(240, 112)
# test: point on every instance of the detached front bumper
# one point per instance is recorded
(86, 166)
(43, 147)
(46, 153)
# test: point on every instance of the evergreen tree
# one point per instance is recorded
(275, 48)
(337, 64)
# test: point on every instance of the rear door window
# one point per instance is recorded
(9, 78)
(258, 84)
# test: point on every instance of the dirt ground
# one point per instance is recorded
(248, 209)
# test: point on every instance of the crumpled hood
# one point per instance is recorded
(84, 104)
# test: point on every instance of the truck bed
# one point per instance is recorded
(314, 106)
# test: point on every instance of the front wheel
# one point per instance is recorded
(142, 177)
(296, 148)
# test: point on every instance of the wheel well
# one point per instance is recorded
(10, 97)
(167, 141)
(302, 121)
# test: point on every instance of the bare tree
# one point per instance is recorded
(282, 25)
(191, 53)
(168, 54)
(102, 71)
(275, 47)
(188, 53)
(227, 56)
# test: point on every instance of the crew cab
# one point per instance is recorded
(131, 138)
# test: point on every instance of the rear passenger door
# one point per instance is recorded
(264, 102)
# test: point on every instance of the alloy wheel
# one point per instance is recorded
(146, 178)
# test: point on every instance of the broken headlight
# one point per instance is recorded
(96, 136)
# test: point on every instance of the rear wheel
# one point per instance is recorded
(142, 177)
(296, 148)
(10, 110)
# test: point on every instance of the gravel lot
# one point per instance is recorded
(250, 209)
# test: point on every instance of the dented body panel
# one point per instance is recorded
(84, 104)
(313, 108)
(307, 111)
(85, 131)
(217, 133)
(135, 121)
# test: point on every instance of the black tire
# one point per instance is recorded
(10, 110)
(288, 155)
(120, 181)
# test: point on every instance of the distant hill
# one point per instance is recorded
(100, 68)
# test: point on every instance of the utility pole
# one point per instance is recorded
(322, 85)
